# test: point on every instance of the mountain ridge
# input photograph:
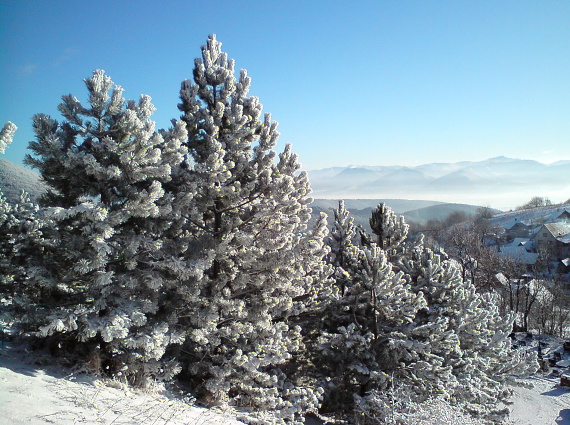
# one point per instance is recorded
(500, 182)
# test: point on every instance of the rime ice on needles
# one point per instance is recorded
(391, 230)
(249, 218)
(109, 204)
(424, 330)
(6, 135)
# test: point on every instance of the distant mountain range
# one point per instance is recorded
(500, 182)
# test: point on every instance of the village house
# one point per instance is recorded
(518, 230)
(560, 215)
(555, 238)
(521, 250)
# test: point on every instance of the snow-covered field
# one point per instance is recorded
(31, 393)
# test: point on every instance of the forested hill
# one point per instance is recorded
(417, 211)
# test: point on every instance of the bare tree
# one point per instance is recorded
(535, 202)
(551, 314)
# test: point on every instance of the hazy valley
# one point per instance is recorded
(502, 183)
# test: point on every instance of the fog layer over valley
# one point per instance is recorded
(500, 182)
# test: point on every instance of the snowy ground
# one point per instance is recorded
(545, 404)
(37, 395)
(32, 394)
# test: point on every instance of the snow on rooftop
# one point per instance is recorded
(520, 241)
(518, 253)
(558, 229)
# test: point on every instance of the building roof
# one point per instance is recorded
(518, 253)
(560, 215)
(520, 241)
(558, 230)
(515, 225)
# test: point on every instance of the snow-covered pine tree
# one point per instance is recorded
(343, 253)
(7, 224)
(365, 327)
(7, 272)
(261, 265)
(20, 235)
(467, 353)
(423, 332)
(104, 280)
(390, 229)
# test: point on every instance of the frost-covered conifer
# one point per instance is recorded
(344, 254)
(105, 279)
(365, 326)
(6, 135)
(20, 235)
(468, 355)
(424, 329)
(7, 221)
(260, 262)
(390, 229)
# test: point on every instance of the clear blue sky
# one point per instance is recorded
(350, 82)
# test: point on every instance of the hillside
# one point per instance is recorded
(440, 212)
(15, 178)
(418, 211)
(399, 206)
(533, 217)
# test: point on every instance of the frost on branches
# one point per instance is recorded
(465, 334)
(103, 278)
(423, 329)
(366, 322)
(20, 236)
(189, 249)
(260, 261)
(6, 135)
(390, 229)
